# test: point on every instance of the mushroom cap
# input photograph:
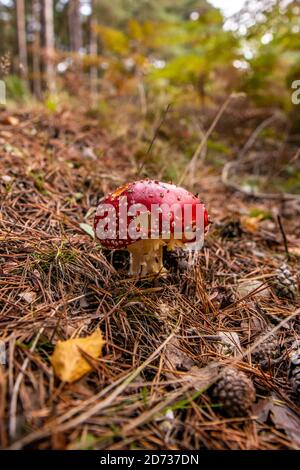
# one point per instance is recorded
(148, 193)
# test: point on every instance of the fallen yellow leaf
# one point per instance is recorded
(251, 224)
(294, 250)
(68, 362)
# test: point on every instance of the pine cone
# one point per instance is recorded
(235, 391)
(294, 369)
(176, 260)
(267, 353)
(285, 284)
(224, 297)
(231, 229)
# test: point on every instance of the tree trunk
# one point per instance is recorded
(75, 29)
(49, 44)
(36, 51)
(93, 52)
(22, 42)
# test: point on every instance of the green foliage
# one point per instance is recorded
(276, 46)
(87, 229)
(58, 256)
(218, 147)
(86, 442)
(174, 53)
(261, 213)
(182, 69)
(51, 104)
(291, 184)
(170, 53)
(16, 88)
(156, 42)
(113, 40)
(118, 12)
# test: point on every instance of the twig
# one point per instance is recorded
(263, 338)
(202, 154)
(163, 118)
(283, 236)
(205, 137)
(225, 177)
(255, 134)
(142, 96)
(15, 392)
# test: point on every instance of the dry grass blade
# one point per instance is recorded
(191, 164)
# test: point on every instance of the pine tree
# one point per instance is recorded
(75, 30)
(22, 40)
(49, 43)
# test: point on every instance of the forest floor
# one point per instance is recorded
(151, 389)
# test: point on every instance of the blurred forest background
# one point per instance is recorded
(181, 48)
(135, 58)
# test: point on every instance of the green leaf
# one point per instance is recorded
(88, 229)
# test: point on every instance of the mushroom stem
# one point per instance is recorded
(146, 257)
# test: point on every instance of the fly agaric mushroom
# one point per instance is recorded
(146, 215)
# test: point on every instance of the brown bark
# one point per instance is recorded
(49, 43)
(93, 52)
(36, 57)
(22, 42)
(75, 29)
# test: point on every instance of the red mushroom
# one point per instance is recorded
(145, 215)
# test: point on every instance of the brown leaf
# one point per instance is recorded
(246, 287)
(284, 418)
(175, 359)
(10, 120)
(204, 377)
(28, 297)
(262, 408)
(67, 360)
(229, 343)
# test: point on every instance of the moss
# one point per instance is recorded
(16, 88)
(60, 256)
(257, 212)
(218, 147)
